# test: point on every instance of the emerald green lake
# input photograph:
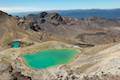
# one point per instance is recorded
(49, 58)
(15, 44)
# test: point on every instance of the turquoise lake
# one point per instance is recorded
(49, 58)
(16, 44)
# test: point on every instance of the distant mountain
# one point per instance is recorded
(107, 13)
(113, 13)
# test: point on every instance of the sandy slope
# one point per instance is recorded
(103, 58)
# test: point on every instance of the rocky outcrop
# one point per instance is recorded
(8, 73)
(2, 13)
(53, 18)
(5, 71)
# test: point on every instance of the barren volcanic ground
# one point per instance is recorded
(97, 40)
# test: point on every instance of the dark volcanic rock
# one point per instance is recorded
(34, 26)
(42, 22)
(56, 16)
(43, 14)
(53, 18)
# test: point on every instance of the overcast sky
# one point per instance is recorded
(38, 5)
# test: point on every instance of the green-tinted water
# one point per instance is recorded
(15, 44)
(49, 58)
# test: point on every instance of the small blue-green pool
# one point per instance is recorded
(16, 44)
(49, 58)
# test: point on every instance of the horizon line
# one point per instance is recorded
(36, 10)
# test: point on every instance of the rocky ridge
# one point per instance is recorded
(84, 31)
